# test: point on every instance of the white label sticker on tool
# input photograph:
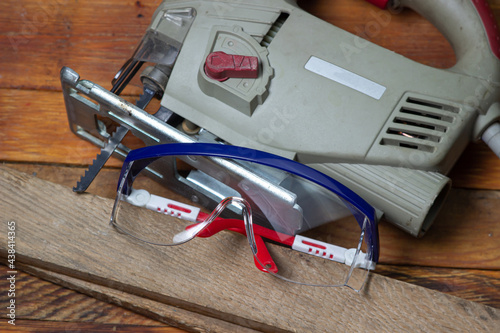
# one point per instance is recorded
(345, 77)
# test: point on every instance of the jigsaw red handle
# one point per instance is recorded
(469, 26)
(379, 3)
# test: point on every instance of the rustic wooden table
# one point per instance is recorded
(460, 255)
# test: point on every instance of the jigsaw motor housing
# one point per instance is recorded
(386, 126)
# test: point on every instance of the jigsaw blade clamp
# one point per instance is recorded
(269, 76)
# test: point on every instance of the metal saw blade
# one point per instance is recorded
(110, 146)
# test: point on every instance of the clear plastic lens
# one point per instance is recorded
(299, 230)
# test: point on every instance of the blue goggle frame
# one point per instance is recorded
(139, 159)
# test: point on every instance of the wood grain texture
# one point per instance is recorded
(89, 305)
(465, 234)
(141, 270)
(42, 300)
(34, 326)
(35, 129)
(482, 286)
(171, 315)
(477, 168)
(94, 37)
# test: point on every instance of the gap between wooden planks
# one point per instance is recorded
(60, 231)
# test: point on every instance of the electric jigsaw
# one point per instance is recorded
(267, 75)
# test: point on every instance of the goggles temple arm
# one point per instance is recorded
(142, 198)
(138, 159)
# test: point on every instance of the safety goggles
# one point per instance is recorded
(302, 225)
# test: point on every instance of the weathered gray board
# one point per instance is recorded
(66, 233)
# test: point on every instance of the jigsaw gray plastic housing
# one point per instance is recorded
(386, 126)
(391, 130)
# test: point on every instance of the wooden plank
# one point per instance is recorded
(94, 37)
(73, 238)
(465, 235)
(35, 326)
(170, 315)
(481, 286)
(477, 168)
(104, 184)
(42, 300)
(35, 129)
